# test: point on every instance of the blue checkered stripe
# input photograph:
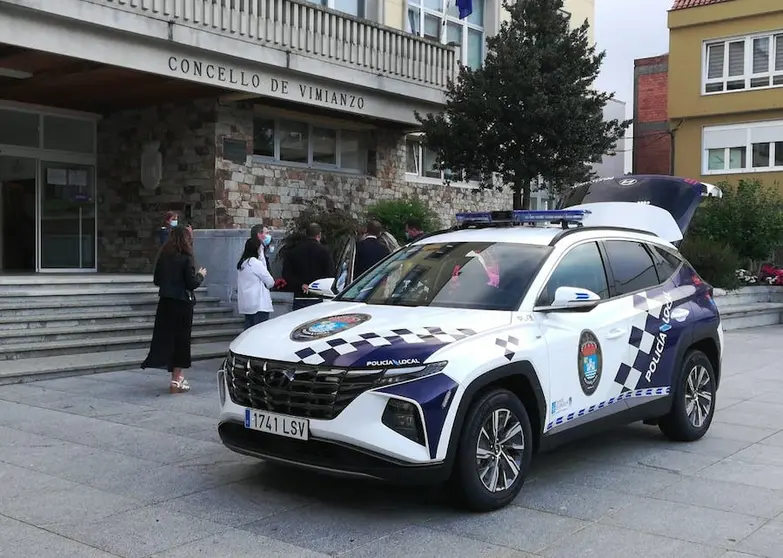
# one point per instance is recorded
(644, 328)
(650, 392)
(327, 351)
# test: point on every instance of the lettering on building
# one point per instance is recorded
(277, 86)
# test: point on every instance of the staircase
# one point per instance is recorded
(750, 307)
(55, 325)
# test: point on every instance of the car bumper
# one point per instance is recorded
(327, 456)
(355, 443)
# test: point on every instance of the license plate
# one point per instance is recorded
(280, 425)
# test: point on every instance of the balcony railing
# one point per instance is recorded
(310, 30)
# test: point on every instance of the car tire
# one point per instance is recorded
(483, 459)
(694, 400)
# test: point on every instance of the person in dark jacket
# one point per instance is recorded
(413, 230)
(176, 278)
(370, 250)
(307, 261)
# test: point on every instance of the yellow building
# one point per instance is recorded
(725, 92)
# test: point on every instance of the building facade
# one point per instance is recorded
(725, 89)
(652, 143)
(613, 164)
(231, 112)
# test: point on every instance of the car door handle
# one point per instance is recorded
(615, 333)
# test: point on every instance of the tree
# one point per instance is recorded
(530, 110)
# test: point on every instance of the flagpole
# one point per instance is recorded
(443, 24)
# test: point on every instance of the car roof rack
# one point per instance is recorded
(521, 217)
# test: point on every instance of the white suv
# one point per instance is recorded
(461, 354)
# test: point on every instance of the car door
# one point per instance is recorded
(658, 310)
(344, 265)
(585, 349)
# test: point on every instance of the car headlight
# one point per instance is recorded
(403, 374)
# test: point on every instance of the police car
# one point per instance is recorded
(461, 354)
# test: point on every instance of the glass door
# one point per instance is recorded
(68, 226)
(17, 214)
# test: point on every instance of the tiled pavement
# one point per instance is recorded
(111, 465)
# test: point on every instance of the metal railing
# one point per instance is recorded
(310, 30)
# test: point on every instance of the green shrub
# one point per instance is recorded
(393, 214)
(716, 262)
(748, 218)
(336, 225)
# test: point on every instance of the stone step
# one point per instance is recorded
(50, 279)
(751, 315)
(45, 368)
(101, 331)
(87, 318)
(14, 351)
(83, 294)
(49, 306)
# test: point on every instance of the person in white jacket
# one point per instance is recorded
(253, 284)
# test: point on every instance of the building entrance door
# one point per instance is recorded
(18, 214)
(68, 225)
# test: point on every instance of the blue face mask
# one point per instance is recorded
(173, 223)
(267, 240)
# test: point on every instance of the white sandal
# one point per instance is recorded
(179, 385)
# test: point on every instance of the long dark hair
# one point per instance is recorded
(180, 241)
(252, 250)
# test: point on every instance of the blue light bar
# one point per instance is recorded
(523, 216)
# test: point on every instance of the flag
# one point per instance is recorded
(465, 8)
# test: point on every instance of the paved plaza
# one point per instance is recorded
(112, 465)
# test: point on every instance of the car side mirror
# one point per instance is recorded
(323, 287)
(571, 299)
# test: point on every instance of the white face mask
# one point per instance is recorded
(173, 222)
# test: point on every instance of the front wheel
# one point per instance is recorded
(494, 453)
(694, 400)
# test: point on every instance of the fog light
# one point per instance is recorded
(404, 418)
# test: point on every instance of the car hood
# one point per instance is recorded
(346, 334)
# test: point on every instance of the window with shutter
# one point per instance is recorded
(753, 62)
(736, 58)
(743, 148)
(761, 55)
(779, 53)
(715, 54)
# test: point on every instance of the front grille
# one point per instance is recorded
(294, 389)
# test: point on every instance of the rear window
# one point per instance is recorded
(474, 275)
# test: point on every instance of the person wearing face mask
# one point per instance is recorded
(261, 232)
(170, 221)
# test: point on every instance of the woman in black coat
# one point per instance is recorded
(177, 278)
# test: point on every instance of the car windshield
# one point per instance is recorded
(475, 275)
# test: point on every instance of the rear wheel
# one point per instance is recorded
(494, 452)
(694, 400)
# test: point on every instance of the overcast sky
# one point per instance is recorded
(626, 30)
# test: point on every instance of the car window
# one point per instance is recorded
(665, 262)
(583, 268)
(632, 266)
(474, 275)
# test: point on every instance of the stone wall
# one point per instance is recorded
(250, 192)
(128, 212)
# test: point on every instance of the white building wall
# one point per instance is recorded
(614, 165)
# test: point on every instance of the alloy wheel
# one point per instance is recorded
(499, 450)
(698, 396)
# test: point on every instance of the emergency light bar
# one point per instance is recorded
(520, 216)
